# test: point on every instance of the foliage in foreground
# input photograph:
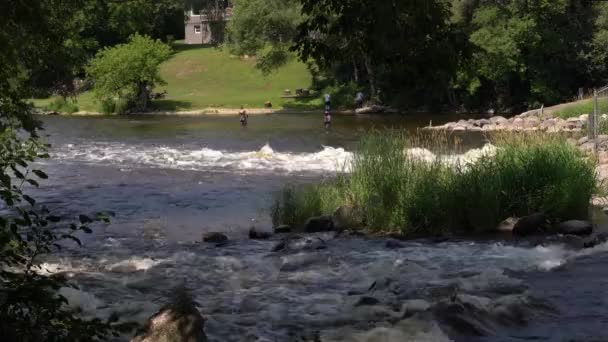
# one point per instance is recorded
(31, 309)
(397, 191)
(126, 73)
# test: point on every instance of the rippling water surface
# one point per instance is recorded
(169, 180)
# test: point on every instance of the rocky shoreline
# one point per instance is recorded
(528, 121)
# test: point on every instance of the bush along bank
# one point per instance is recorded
(392, 187)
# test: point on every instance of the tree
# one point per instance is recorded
(34, 35)
(128, 72)
(266, 29)
(530, 52)
(402, 47)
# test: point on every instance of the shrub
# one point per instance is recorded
(405, 192)
(128, 72)
(63, 105)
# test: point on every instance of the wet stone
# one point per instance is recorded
(530, 225)
(393, 244)
(255, 234)
(282, 229)
(367, 301)
(215, 237)
(319, 224)
(575, 227)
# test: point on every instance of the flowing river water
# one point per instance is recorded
(170, 179)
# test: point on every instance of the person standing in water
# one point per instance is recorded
(243, 116)
(327, 100)
(359, 100)
(327, 119)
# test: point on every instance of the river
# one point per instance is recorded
(168, 180)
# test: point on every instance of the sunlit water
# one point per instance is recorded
(169, 180)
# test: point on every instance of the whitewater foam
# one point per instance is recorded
(329, 159)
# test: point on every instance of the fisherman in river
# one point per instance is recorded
(243, 116)
(327, 119)
(327, 101)
(359, 100)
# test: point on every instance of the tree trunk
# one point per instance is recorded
(142, 98)
(355, 71)
(371, 75)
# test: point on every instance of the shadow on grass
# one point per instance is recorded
(304, 103)
(180, 47)
(171, 105)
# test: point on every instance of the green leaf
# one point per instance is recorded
(40, 174)
(33, 182)
(29, 200)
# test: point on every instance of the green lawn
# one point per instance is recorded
(200, 77)
(578, 108)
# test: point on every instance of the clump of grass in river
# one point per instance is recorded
(397, 189)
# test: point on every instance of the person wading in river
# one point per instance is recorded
(327, 119)
(243, 116)
(327, 100)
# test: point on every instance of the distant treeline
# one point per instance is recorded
(507, 55)
(455, 54)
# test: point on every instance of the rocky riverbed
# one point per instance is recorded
(529, 121)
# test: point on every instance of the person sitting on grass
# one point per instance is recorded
(243, 116)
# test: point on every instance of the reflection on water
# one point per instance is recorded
(171, 179)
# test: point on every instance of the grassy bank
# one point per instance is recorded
(200, 77)
(398, 192)
(578, 108)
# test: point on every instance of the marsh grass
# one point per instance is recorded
(408, 193)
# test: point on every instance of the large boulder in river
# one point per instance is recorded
(507, 225)
(282, 229)
(215, 237)
(530, 225)
(347, 216)
(178, 321)
(256, 234)
(575, 227)
(319, 224)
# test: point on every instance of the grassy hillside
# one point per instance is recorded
(201, 77)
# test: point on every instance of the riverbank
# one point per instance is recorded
(207, 111)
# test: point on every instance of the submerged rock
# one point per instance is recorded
(507, 225)
(394, 244)
(367, 301)
(254, 234)
(319, 224)
(596, 240)
(178, 321)
(530, 225)
(282, 229)
(215, 237)
(575, 227)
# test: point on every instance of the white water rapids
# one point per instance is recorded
(249, 293)
(329, 159)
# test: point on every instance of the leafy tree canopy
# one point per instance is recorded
(128, 72)
(266, 29)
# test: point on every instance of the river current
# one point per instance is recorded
(168, 180)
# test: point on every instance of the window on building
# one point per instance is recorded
(197, 29)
